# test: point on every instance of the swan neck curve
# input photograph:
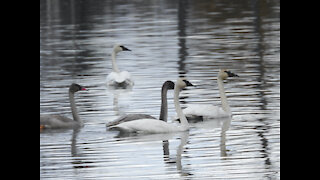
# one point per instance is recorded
(74, 108)
(164, 104)
(114, 64)
(223, 97)
(182, 117)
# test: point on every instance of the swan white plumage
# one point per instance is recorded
(157, 126)
(163, 111)
(204, 111)
(118, 78)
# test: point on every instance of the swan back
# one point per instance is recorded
(149, 126)
(121, 79)
(129, 117)
(57, 122)
(205, 111)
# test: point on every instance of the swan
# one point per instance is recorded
(61, 122)
(202, 111)
(163, 111)
(116, 77)
(156, 126)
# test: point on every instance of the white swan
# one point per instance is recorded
(163, 111)
(156, 126)
(203, 111)
(61, 122)
(118, 78)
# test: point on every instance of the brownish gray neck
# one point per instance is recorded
(74, 108)
(164, 104)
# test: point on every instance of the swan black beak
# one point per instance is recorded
(230, 74)
(124, 48)
(188, 83)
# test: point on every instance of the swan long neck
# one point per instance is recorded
(74, 108)
(223, 97)
(164, 104)
(182, 117)
(114, 64)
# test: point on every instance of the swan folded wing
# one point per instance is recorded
(129, 117)
(56, 121)
(149, 126)
(204, 110)
(123, 77)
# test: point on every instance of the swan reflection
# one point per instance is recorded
(184, 137)
(224, 124)
(166, 139)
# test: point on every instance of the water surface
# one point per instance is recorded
(168, 39)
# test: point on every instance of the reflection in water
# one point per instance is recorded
(78, 160)
(116, 94)
(182, 18)
(186, 38)
(264, 126)
(224, 128)
(177, 159)
(212, 124)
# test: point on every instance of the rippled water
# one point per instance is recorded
(168, 39)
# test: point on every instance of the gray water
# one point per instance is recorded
(168, 39)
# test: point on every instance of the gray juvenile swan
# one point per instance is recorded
(61, 122)
(163, 111)
(118, 78)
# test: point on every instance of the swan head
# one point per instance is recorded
(168, 85)
(182, 83)
(224, 74)
(76, 87)
(119, 47)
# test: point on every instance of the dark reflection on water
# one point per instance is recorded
(182, 18)
(186, 38)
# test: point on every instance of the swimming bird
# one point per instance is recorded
(61, 122)
(198, 112)
(118, 78)
(163, 111)
(157, 126)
